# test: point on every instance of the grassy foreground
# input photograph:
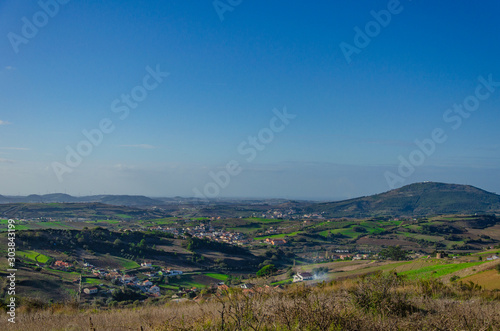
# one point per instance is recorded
(376, 302)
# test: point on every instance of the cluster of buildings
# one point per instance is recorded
(205, 231)
(278, 213)
(314, 216)
(145, 285)
(61, 265)
(337, 255)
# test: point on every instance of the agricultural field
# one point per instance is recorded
(436, 270)
(221, 277)
(489, 279)
(278, 236)
(92, 281)
(34, 256)
(103, 221)
(125, 263)
(124, 216)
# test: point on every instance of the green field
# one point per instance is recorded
(349, 232)
(32, 255)
(221, 277)
(123, 216)
(61, 272)
(285, 281)
(184, 281)
(94, 281)
(438, 270)
(324, 233)
(104, 221)
(489, 252)
(18, 226)
(372, 227)
(169, 287)
(127, 264)
(278, 236)
(263, 220)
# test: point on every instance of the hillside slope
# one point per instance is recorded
(414, 200)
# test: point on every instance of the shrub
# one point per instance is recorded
(378, 293)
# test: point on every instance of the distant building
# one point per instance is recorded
(302, 276)
(171, 273)
(90, 290)
(146, 264)
(222, 288)
(154, 289)
(62, 264)
(246, 286)
(147, 282)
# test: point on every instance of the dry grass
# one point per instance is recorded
(379, 302)
(489, 280)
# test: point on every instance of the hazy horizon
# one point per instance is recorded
(226, 198)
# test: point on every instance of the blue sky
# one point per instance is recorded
(354, 120)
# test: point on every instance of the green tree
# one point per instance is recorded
(395, 253)
(267, 270)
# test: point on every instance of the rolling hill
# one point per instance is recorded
(428, 198)
(117, 200)
(94, 211)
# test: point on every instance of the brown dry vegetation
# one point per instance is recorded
(378, 302)
(489, 279)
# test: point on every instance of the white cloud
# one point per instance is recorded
(10, 68)
(142, 146)
(6, 161)
(4, 122)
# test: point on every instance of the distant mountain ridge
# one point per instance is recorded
(416, 199)
(117, 200)
(411, 200)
